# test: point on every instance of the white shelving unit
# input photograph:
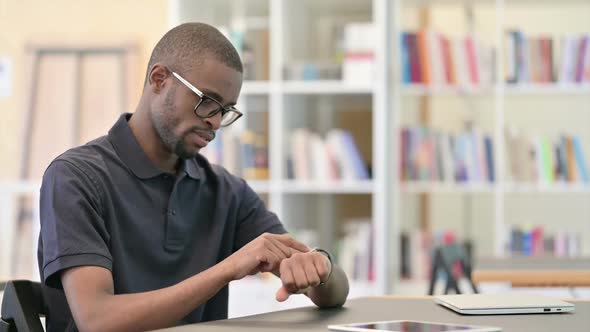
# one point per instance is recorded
(326, 87)
(340, 187)
(509, 90)
(442, 187)
(250, 88)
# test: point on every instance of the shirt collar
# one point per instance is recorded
(131, 153)
(192, 168)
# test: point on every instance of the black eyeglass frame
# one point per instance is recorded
(203, 97)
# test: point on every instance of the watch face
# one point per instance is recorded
(323, 252)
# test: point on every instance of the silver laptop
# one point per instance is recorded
(497, 304)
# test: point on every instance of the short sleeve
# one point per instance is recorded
(254, 218)
(73, 232)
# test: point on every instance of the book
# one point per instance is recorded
(406, 58)
(300, 154)
(568, 62)
(581, 57)
(359, 48)
(582, 167)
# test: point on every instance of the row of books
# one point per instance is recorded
(431, 155)
(535, 59)
(336, 157)
(243, 154)
(431, 58)
(534, 241)
(546, 160)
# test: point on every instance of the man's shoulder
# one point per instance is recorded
(90, 157)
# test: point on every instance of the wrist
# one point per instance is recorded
(330, 260)
(225, 271)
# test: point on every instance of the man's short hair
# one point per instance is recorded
(186, 46)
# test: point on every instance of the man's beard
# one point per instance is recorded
(164, 122)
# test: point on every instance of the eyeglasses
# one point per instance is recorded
(208, 107)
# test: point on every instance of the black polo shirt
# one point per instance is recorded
(106, 204)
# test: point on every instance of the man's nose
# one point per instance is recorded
(214, 122)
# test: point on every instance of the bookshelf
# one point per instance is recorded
(304, 90)
(548, 110)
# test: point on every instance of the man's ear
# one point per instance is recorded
(157, 77)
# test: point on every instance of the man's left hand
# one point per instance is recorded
(302, 271)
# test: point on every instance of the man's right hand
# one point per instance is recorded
(263, 254)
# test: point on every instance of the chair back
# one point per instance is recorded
(443, 260)
(24, 302)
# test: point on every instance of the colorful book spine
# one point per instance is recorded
(582, 167)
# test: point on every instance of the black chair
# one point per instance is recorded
(445, 257)
(24, 302)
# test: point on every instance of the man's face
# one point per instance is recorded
(180, 129)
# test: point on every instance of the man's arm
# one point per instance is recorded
(90, 294)
(300, 273)
(95, 307)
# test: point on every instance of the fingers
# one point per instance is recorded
(280, 248)
(300, 272)
(287, 277)
(275, 250)
(289, 241)
(311, 272)
(269, 259)
(301, 281)
(282, 294)
(265, 254)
